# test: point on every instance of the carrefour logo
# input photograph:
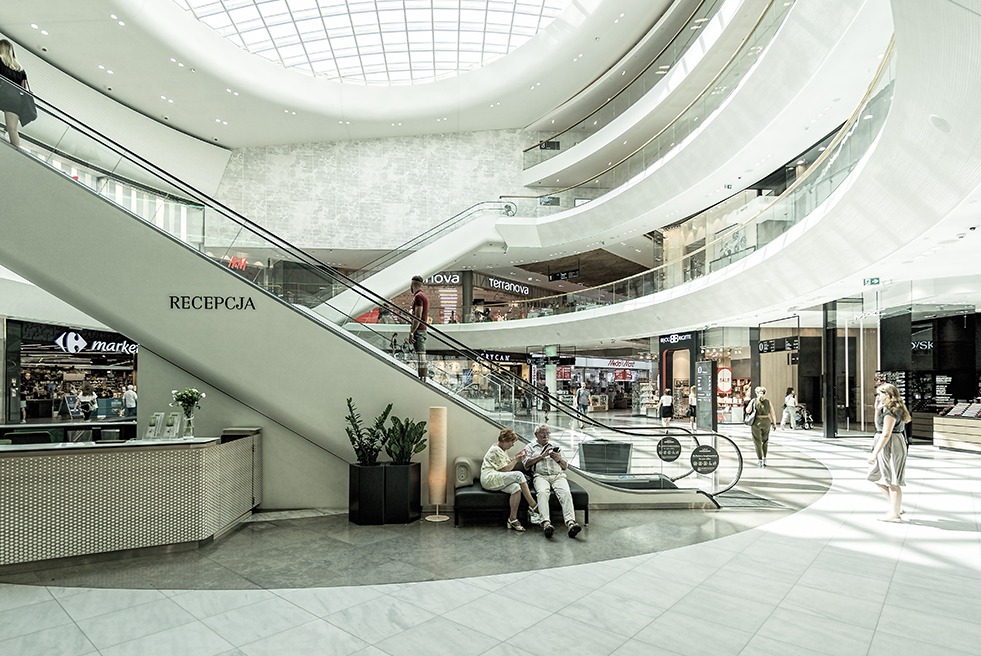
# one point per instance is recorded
(71, 342)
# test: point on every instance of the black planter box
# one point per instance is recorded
(366, 494)
(403, 489)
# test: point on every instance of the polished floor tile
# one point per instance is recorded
(818, 575)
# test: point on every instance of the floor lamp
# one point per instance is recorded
(437, 460)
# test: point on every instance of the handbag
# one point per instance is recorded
(750, 415)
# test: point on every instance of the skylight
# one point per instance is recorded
(378, 42)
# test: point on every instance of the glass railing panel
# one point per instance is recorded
(694, 115)
(632, 92)
(735, 242)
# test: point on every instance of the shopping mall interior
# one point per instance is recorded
(625, 216)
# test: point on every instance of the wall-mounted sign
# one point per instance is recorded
(508, 286)
(869, 282)
(211, 303)
(444, 279)
(677, 339)
(238, 263)
(498, 356)
(923, 345)
(71, 341)
(76, 340)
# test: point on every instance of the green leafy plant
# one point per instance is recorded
(404, 438)
(366, 440)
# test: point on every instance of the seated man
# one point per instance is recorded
(549, 467)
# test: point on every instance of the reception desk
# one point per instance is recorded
(82, 498)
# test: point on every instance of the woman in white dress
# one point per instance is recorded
(497, 473)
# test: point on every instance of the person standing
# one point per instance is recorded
(129, 401)
(549, 467)
(15, 100)
(889, 449)
(88, 402)
(692, 407)
(666, 404)
(582, 402)
(546, 401)
(419, 330)
(789, 410)
(764, 421)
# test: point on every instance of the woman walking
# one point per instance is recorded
(764, 421)
(888, 457)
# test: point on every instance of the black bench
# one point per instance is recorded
(470, 497)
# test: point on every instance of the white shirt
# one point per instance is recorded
(790, 401)
(129, 399)
(692, 399)
(666, 400)
(546, 466)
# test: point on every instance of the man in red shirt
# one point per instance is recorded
(417, 333)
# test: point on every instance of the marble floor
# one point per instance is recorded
(812, 573)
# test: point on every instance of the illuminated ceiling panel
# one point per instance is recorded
(417, 40)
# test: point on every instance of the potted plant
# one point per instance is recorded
(403, 479)
(366, 479)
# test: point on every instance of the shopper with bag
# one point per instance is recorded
(16, 100)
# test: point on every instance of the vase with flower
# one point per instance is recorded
(189, 400)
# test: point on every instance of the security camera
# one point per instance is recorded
(973, 228)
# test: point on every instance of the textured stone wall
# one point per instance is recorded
(372, 193)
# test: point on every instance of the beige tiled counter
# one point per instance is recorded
(76, 499)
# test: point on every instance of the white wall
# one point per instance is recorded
(374, 193)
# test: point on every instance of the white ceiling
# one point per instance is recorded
(164, 63)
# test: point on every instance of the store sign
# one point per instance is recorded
(611, 363)
(73, 342)
(508, 286)
(211, 303)
(923, 345)
(676, 339)
(238, 263)
(725, 380)
(563, 373)
(444, 279)
(496, 356)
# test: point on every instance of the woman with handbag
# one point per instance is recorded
(16, 100)
(762, 423)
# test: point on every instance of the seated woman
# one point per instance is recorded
(496, 473)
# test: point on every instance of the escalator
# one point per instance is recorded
(195, 315)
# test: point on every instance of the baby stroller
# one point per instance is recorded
(804, 418)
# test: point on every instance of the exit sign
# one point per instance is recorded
(868, 282)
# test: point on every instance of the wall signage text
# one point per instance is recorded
(211, 303)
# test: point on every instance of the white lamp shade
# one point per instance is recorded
(437, 455)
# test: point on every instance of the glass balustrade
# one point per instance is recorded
(660, 66)
(732, 243)
(687, 121)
